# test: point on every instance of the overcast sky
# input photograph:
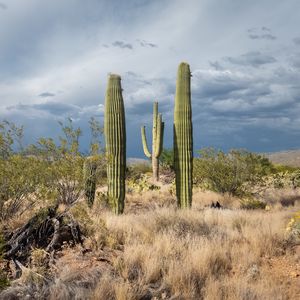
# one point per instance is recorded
(244, 55)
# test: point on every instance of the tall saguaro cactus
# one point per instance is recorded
(183, 137)
(115, 138)
(157, 141)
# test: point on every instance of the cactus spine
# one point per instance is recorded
(90, 168)
(115, 138)
(183, 137)
(157, 141)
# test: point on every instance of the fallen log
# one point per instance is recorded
(47, 230)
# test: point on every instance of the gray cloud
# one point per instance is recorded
(137, 78)
(266, 36)
(262, 33)
(295, 61)
(122, 45)
(264, 28)
(254, 59)
(46, 95)
(53, 108)
(144, 43)
(238, 101)
(3, 6)
(216, 65)
(296, 40)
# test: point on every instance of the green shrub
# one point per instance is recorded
(167, 159)
(80, 213)
(234, 173)
(138, 170)
(4, 282)
(141, 184)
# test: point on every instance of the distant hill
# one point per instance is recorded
(133, 160)
(288, 157)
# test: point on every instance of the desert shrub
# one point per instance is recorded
(138, 179)
(101, 202)
(22, 184)
(136, 171)
(166, 159)
(11, 137)
(2, 242)
(278, 180)
(252, 204)
(295, 178)
(234, 173)
(141, 184)
(4, 282)
(46, 171)
(21, 177)
(80, 213)
(39, 261)
(293, 227)
(65, 173)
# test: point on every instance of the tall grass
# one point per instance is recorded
(165, 253)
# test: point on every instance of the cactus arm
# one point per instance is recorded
(154, 128)
(144, 141)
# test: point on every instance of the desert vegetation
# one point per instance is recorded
(213, 225)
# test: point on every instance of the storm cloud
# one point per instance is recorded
(122, 45)
(46, 95)
(262, 33)
(3, 6)
(254, 59)
(245, 66)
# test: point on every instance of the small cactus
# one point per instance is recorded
(157, 141)
(183, 137)
(90, 168)
(115, 138)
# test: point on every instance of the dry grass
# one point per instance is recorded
(155, 251)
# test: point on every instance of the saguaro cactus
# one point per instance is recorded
(89, 169)
(157, 141)
(183, 137)
(115, 138)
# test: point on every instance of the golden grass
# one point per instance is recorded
(192, 254)
(155, 251)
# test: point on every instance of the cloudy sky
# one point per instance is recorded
(244, 55)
